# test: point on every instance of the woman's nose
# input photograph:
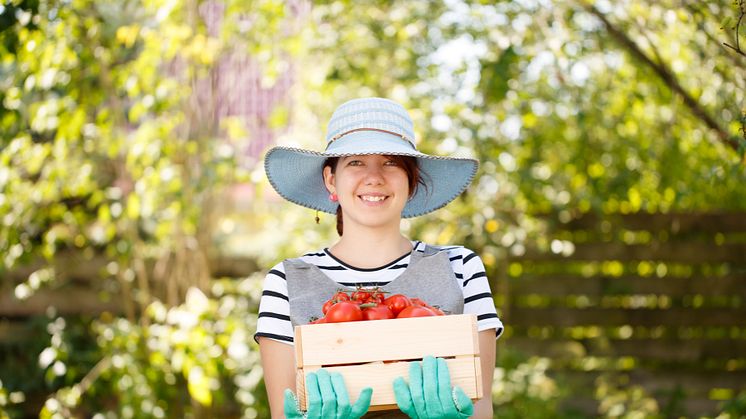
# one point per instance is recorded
(373, 176)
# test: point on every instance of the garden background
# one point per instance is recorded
(136, 219)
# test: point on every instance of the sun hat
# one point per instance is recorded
(360, 127)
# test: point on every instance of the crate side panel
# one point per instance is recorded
(387, 340)
(381, 377)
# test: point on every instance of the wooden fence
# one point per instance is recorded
(650, 300)
(657, 301)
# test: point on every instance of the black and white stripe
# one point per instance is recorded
(274, 309)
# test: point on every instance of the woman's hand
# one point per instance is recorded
(429, 394)
(327, 399)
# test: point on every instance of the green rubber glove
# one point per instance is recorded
(429, 394)
(327, 399)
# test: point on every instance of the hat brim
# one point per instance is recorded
(296, 174)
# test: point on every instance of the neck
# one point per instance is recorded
(369, 248)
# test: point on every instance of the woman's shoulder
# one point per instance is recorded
(453, 250)
(309, 257)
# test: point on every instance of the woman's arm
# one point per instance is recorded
(278, 363)
(483, 407)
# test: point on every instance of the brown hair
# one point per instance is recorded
(408, 163)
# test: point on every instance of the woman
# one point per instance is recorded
(371, 175)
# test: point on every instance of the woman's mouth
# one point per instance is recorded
(373, 199)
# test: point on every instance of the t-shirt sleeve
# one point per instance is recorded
(274, 308)
(478, 297)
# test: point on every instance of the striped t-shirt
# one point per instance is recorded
(274, 308)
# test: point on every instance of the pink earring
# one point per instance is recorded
(333, 197)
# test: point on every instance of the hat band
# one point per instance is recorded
(396, 134)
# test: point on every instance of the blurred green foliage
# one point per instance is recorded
(105, 152)
(197, 358)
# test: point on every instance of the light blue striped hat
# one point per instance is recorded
(359, 127)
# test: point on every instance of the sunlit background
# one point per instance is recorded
(137, 221)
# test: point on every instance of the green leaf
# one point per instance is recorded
(496, 75)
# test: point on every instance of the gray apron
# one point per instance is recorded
(428, 276)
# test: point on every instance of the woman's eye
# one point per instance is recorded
(391, 163)
(354, 163)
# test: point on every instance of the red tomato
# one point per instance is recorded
(327, 305)
(361, 296)
(437, 311)
(377, 297)
(397, 303)
(379, 312)
(415, 311)
(418, 302)
(341, 296)
(344, 311)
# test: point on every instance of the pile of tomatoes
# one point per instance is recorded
(372, 304)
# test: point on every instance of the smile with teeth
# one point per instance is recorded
(373, 198)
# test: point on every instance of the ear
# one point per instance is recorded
(329, 179)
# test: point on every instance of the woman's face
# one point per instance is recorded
(372, 189)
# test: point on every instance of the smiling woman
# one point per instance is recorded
(371, 175)
(406, 164)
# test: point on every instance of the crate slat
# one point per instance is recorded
(343, 343)
(357, 377)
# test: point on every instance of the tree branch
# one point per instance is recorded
(665, 75)
(736, 29)
(696, 10)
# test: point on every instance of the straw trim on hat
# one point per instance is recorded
(365, 127)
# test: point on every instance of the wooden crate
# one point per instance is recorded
(374, 353)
